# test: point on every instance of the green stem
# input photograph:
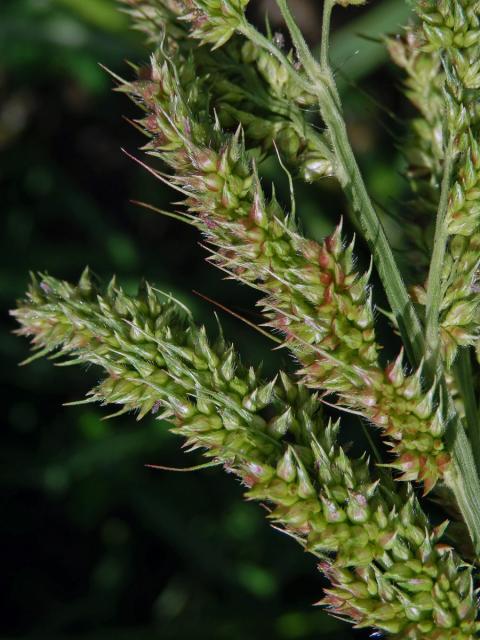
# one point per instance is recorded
(325, 48)
(325, 43)
(374, 233)
(462, 479)
(434, 288)
(464, 376)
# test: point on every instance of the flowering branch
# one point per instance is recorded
(385, 563)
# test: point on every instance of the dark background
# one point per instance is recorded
(93, 544)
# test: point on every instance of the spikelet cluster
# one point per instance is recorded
(313, 295)
(241, 84)
(442, 61)
(387, 568)
(212, 22)
(453, 26)
(423, 147)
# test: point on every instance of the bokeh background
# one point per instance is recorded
(93, 544)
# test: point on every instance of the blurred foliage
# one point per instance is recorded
(94, 544)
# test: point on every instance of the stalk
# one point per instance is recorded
(434, 290)
(325, 47)
(374, 233)
(325, 44)
(464, 376)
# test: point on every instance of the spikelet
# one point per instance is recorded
(386, 565)
(156, 19)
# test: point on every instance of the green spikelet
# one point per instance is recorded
(155, 18)
(213, 22)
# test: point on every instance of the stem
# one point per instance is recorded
(352, 182)
(434, 289)
(463, 376)
(325, 44)
(325, 48)
(462, 479)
